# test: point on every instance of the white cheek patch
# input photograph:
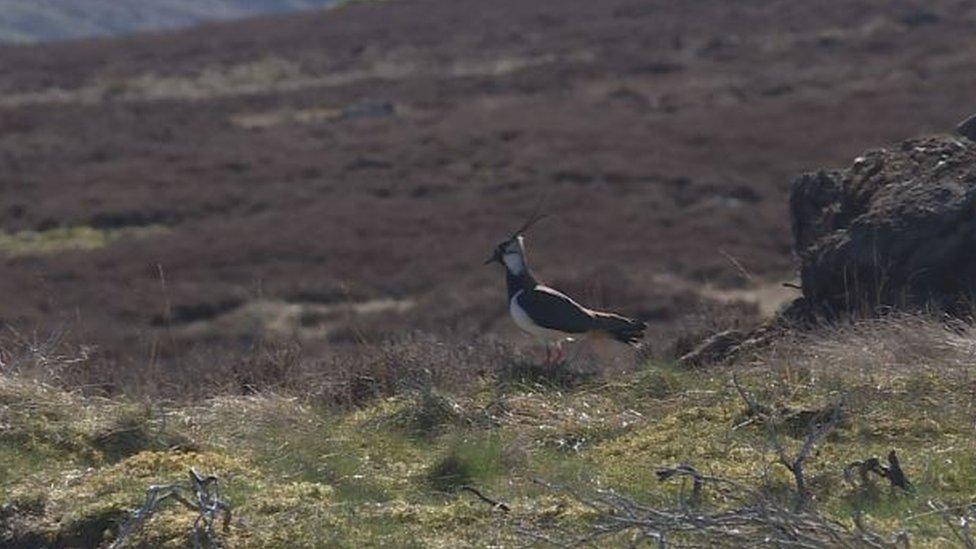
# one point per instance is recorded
(514, 263)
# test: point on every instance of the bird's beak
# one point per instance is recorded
(495, 257)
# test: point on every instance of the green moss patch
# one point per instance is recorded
(68, 238)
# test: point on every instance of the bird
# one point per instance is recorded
(549, 315)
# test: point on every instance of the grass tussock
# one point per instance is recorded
(396, 468)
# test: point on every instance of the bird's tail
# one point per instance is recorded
(623, 329)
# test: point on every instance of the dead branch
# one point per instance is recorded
(737, 265)
(754, 409)
(51, 354)
(684, 471)
(751, 520)
(816, 431)
(202, 495)
(795, 465)
(895, 473)
(494, 503)
(698, 480)
(892, 472)
(958, 525)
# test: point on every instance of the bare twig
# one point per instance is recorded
(737, 265)
(795, 464)
(494, 503)
(752, 520)
(202, 495)
(958, 525)
(754, 408)
(817, 431)
(44, 353)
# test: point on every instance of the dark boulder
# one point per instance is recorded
(967, 127)
(894, 231)
(897, 229)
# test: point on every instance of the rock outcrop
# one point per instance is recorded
(896, 230)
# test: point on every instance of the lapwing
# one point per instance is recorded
(549, 315)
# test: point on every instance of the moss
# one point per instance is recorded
(91, 525)
(471, 459)
(100, 501)
(68, 238)
(293, 496)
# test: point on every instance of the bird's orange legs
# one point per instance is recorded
(560, 354)
(554, 356)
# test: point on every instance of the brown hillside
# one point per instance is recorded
(340, 176)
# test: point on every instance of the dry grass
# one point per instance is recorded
(894, 345)
(437, 417)
(349, 376)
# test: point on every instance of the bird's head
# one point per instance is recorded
(511, 252)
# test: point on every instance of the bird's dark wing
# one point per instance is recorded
(554, 310)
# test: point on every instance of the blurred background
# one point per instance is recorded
(31, 21)
(264, 175)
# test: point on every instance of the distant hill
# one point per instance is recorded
(25, 21)
(334, 176)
